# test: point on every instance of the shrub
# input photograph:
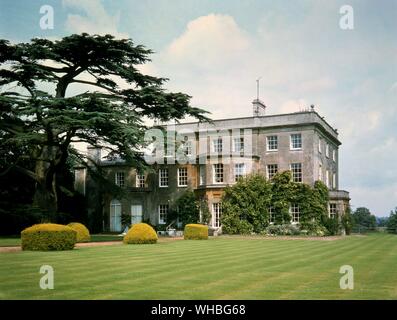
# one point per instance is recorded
(196, 232)
(314, 228)
(283, 230)
(140, 233)
(48, 236)
(83, 235)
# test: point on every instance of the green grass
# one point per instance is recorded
(16, 240)
(219, 268)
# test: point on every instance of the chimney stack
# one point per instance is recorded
(258, 108)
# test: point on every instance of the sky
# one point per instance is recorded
(215, 50)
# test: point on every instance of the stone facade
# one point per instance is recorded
(305, 142)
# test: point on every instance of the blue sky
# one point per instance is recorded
(214, 51)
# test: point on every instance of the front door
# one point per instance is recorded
(136, 213)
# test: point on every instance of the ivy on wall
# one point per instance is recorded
(245, 205)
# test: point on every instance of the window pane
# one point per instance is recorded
(296, 141)
(272, 143)
(163, 177)
(182, 177)
(296, 169)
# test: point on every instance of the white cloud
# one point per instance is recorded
(95, 21)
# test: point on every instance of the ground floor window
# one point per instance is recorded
(163, 210)
(216, 214)
(333, 212)
(295, 213)
(115, 216)
(136, 213)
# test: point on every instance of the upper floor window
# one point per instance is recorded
(334, 181)
(319, 144)
(334, 154)
(271, 170)
(327, 179)
(271, 143)
(238, 144)
(333, 211)
(320, 172)
(217, 145)
(327, 150)
(187, 148)
(163, 211)
(296, 169)
(218, 172)
(140, 180)
(295, 213)
(239, 171)
(272, 215)
(296, 141)
(182, 177)
(120, 179)
(163, 177)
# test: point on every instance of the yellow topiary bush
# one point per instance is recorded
(140, 233)
(48, 236)
(195, 232)
(83, 235)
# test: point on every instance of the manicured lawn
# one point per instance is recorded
(16, 240)
(220, 268)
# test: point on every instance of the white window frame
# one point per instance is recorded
(187, 148)
(320, 144)
(216, 214)
(218, 167)
(270, 172)
(294, 172)
(334, 180)
(238, 144)
(217, 145)
(182, 177)
(327, 150)
(272, 215)
(271, 143)
(115, 215)
(202, 175)
(334, 154)
(295, 212)
(332, 210)
(163, 178)
(120, 179)
(239, 171)
(327, 182)
(163, 211)
(292, 141)
(140, 180)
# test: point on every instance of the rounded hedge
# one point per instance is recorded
(47, 237)
(83, 235)
(195, 232)
(140, 233)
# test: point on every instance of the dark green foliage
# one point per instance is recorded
(42, 125)
(363, 220)
(282, 194)
(347, 221)
(333, 226)
(392, 222)
(185, 209)
(245, 205)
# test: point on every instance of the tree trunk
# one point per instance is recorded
(45, 196)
